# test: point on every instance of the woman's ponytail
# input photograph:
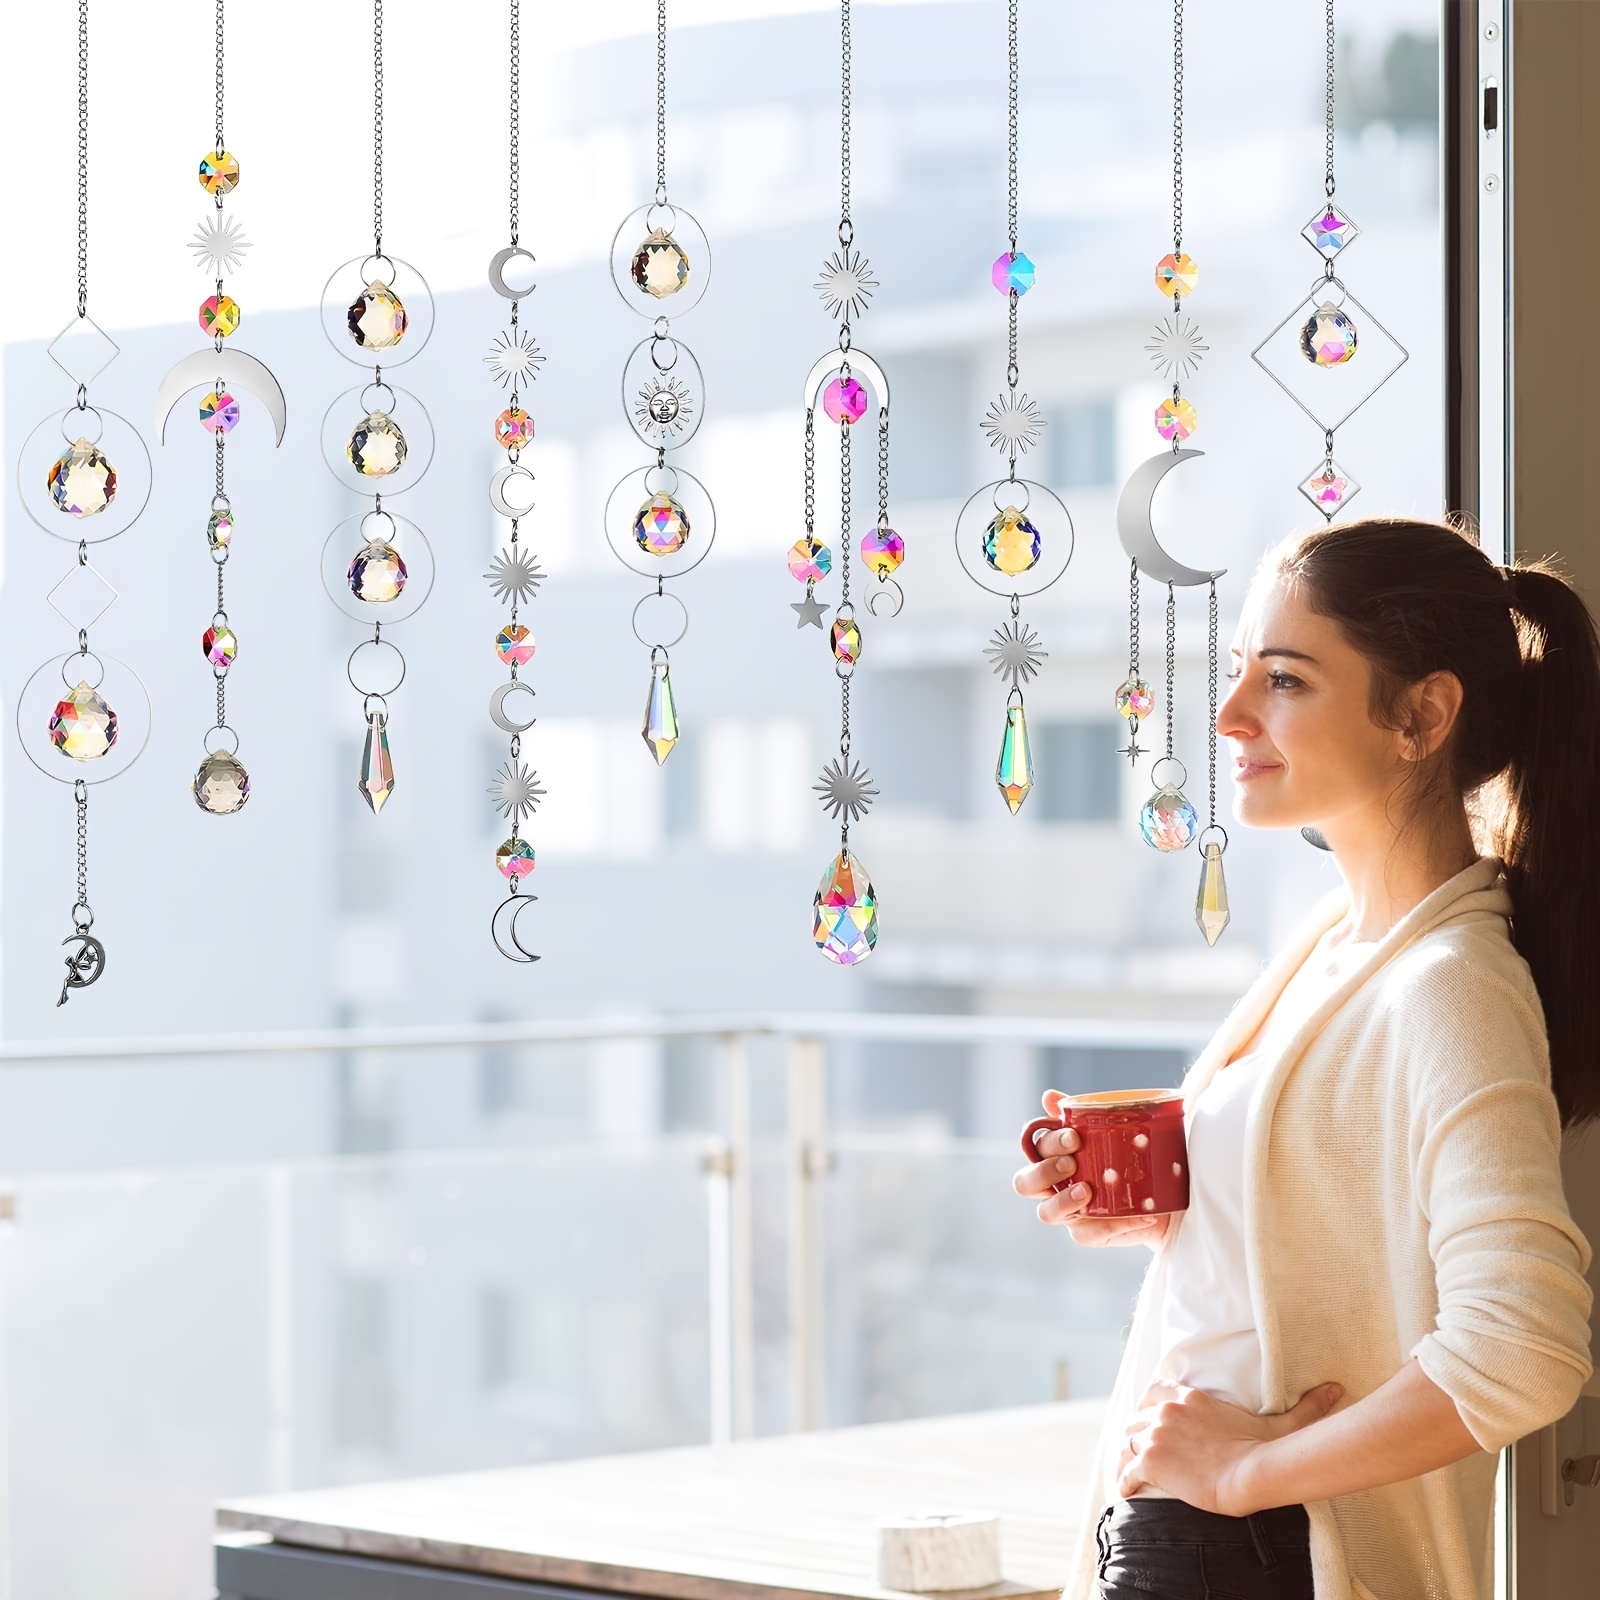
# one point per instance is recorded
(1546, 833)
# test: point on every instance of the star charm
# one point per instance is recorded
(809, 610)
(1132, 749)
(846, 787)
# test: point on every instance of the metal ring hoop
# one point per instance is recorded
(1014, 588)
(858, 361)
(660, 644)
(80, 527)
(1161, 761)
(80, 770)
(1211, 827)
(375, 644)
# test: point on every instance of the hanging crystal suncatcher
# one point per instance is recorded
(847, 385)
(659, 520)
(377, 440)
(1168, 821)
(1014, 537)
(1330, 355)
(83, 475)
(221, 783)
(514, 361)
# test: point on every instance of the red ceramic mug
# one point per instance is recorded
(1131, 1150)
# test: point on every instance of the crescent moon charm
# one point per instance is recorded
(235, 368)
(1137, 532)
(497, 268)
(502, 718)
(503, 929)
(497, 492)
(858, 361)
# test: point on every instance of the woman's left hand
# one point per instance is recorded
(1199, 1448)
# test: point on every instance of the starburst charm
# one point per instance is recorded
(1014, 653)
(846, 789)
(514, 358)
(1013, 423)
(515, 576)
(1175, 346)
(516, 791)
(1132, 749)
(663, 407)
(219, 245)
(846, 284)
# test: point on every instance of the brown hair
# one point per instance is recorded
(1419, 597)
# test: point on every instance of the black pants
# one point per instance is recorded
(1169, 1550)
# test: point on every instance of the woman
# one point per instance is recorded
(1377, 1284)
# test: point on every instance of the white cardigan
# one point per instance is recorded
(1402, 1198)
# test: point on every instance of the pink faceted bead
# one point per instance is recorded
(844, 400)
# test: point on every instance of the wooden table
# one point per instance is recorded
(772, 1519)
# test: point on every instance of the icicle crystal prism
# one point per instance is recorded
(1211, 900)
(83, 727)
(1013, 772)
(660, 730)
(82, 482)
(1168, 822)
(844, 912)
(376, 782)
(222, 785)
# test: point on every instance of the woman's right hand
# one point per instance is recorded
(1058, 1147)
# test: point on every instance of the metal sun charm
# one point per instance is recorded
(516, 791)
(219, 245)
(515, 576)
(1175, 346)
(1013, 423)
(514, 358)
(846, 284)
(664, 405)
(846, 788)
(1014, 653)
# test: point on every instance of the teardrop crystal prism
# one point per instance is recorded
(1013, 772)
(844, 912)
(660, 729)
(377, 768)
(1211, 902)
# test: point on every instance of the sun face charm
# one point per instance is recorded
(664, 408)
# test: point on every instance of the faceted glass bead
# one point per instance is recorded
(219, 529)
(1176, 275)
(513, 428)
(514, 858)
(219, 315)
(844, 912)
(1168, 822)
(219, 173)
(219, 646)
(1329, 231)
(660, 267)
(1012, 271)
(1013, 772)
(377, 575)
(377, 447)
(82, 482)
(1176, 419)
(883, 550)
(845, 639)
(1011, 543)
(377, 319)
(844, 400)
(1211, 900)
(660, 729)
(1134, 699)
(514, 645)
(82, 725)
(1330, 489)
(376, 781)
(219, 412)
(809, 560)
(221, 786)
(661, 527)
(1329, 336)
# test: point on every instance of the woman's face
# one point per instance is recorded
(1298, 719)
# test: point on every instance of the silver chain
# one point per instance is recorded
(847, 231)
(1327, 180)
(845, 485)
(219, 146)
(1011, 124)
(516, 109)
(80, 791)
(1177, 127)
(1211, 704)
(377, 127)
(1133, 619)
(661, 102)
(83, 158)
(883, 467)
(811, 476)
(1172, 652)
